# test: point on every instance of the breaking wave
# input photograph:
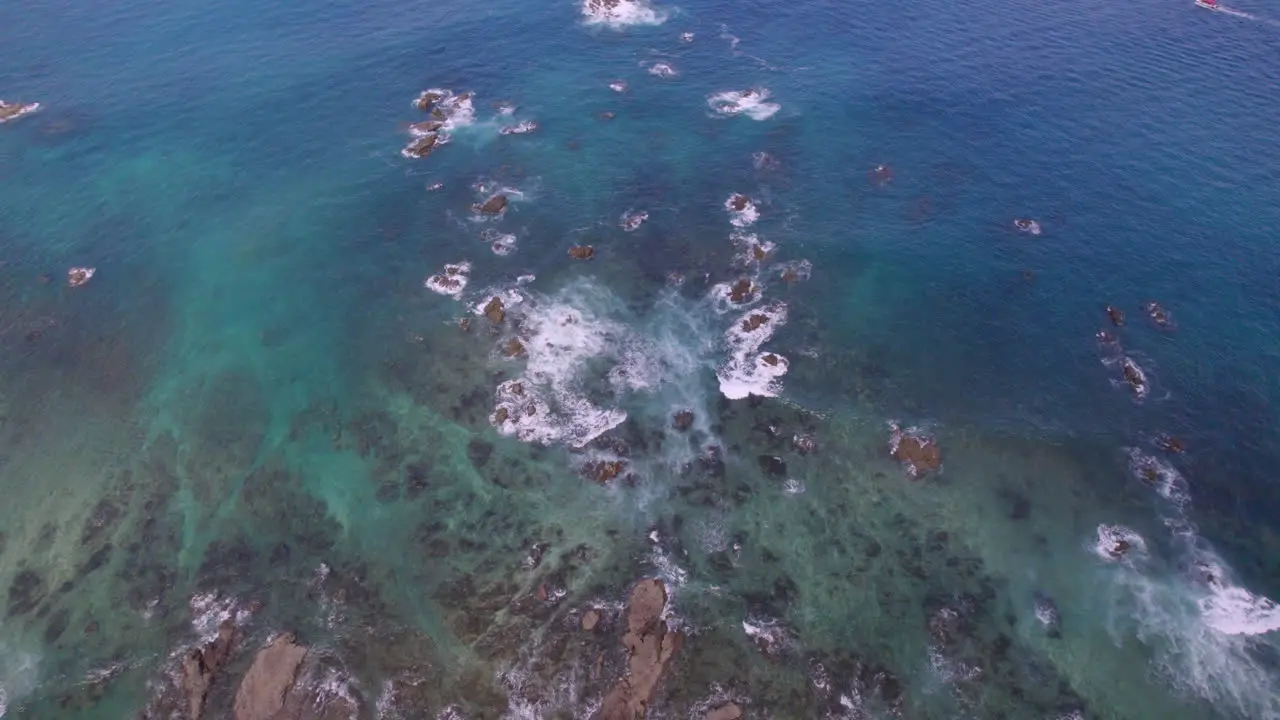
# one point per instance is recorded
(618, 14)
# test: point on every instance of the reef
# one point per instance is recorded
(917, 451)
(420, 147)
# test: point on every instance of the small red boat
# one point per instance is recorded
(1208, 4)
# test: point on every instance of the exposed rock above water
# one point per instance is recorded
(493, 206)
(494, 310)
(650, 646)
(582, 252)
(201, 665)
(13, 111)
(262, 691)
(682, 420)
(420, 147)
(919, 452)
(78, 276)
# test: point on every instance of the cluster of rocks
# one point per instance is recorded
(442, 106)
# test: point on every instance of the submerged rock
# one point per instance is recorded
(582, 252)
(427, 100)
(682, 420)
(650, 647)
(1170, 444)
(602, 471)
(514, 348)
(738, 202)
(262, 691)
(590, 619)
(13, 111)
(1116, 315)
(772, 465)
(1135, 377)
(1047, 614)
(493, 206)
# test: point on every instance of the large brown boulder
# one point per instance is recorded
(650, 646)
(263, 689)
(492, 206)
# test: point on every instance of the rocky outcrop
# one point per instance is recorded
(917, 451)
(1116, 315)
(650, 647)
(495, 310)
(78, 276)
(201, 665)
(420, 147)
(13, 111)
(741, 291)
(603, 471)
(582, 252)
(683, 420)
(493, 206)
(590, 619)
(263, 689)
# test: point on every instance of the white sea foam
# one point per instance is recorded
(633, 219)
(1235, 611)
(1117, 543)
(451, 281)
(19, 677)
(686, 37)
(752, 102)
(742, 210)
(619, 14)
(521, 128)
(793, 271)
(499, 242)
(747, 371)
(663, 70)
(210, 610)
(793, 487)
(618, 86)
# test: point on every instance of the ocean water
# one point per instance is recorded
(257, 409)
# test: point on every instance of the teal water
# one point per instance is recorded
(255, 398)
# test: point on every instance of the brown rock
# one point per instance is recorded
(12, 111)
(492, 206)
(1171, 444)
(683, 420)
(607, 115)
(514, 348)
(427, 100)
(500, 415)
(426, 128)
(590, 619)
(421, 147)
(739, 202)
(741, 291)
(201, 666)
(494, 310)
(770, 359)
(650, 647)
(754, 321)
(582, 252)
(922, 454)
(263, 689)
(728, 711)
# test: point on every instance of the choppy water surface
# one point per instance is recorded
(753, 317)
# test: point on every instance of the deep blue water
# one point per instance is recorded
(256, 360)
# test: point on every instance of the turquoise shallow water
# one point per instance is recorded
(256, 399)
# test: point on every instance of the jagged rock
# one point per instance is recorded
(514, 348)
(582, 252)
(427, 127)
(201, 665)
(754, 321)
(728, 711)
(772, 465)
(421, 147)
(650, 647)
(590, 619)
(427, 100)
(739, 202)
(1171, 444)
(492, 206)
(741, 291)
(1116, 315)
(770, 359)
(262, 691)
(494, 310)
(78, 276)
(682, 420)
